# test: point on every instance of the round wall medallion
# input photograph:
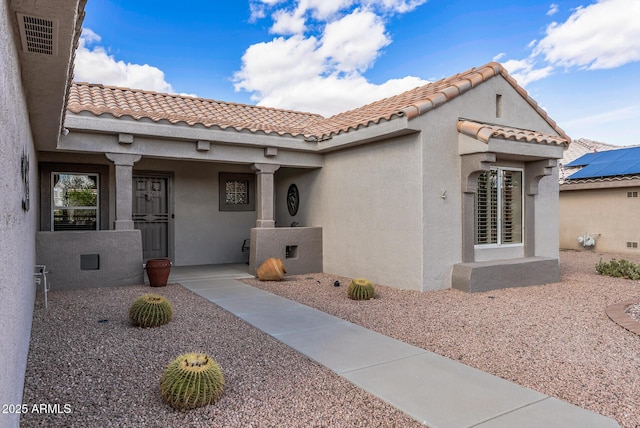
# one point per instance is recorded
(293, 199)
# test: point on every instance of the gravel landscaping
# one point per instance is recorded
(100, 371)
(555, 339)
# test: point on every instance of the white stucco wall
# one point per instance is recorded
(368, 201)
(202, 233)
(17, 227)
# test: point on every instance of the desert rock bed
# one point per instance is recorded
(555, 339)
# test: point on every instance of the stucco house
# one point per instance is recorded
(599, 202)
(440, 186)
(453, 184)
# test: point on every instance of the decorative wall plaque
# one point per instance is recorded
(293, 199)
(24, 172)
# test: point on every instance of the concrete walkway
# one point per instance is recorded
(434, 390)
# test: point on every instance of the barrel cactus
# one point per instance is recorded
(361, 289)
(191, 380)
(150, 310)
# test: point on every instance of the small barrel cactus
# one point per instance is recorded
(191, 380)
(361, 289)
(150, 310)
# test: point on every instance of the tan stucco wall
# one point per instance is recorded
(442, 217)
(381, 205)
(368, 201)
(306, 180)
(17, 227)
(606, 214)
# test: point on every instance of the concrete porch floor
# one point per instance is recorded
(189, 273)
(434, 390)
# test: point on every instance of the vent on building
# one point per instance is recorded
(38, 35)
(632, 194)
(632, 244)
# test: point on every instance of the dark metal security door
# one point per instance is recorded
(151, 214)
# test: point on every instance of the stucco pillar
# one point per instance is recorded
(124, 196)
(472, 165)
(533, 173)
(265, 193)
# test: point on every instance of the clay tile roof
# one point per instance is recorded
(138, 104)
(484, 131)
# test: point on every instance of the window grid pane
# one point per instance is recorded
(511, 207)
(487, 209)
(237, 192)
(75, 201)
(498, 207)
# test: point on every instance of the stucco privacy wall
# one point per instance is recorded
(17, 227)
(202, 233)
(118, 254)
(368, 203)
(612, 219)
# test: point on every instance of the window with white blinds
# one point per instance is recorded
(498, 207)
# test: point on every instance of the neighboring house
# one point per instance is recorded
(451, 184)
(579, 148)
(599, 202)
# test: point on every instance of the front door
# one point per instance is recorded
(151, 214)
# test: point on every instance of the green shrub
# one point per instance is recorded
(361, 289)
(619, 269)
(191, 380)
(150, 310)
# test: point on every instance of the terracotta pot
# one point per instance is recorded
(158, 271)
(271, 270)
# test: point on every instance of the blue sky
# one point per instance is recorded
(580, 60)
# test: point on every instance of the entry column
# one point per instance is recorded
(264, 193)
(124, 188)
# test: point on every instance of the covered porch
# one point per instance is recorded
(194, 202)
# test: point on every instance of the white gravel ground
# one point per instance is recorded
(555, 339)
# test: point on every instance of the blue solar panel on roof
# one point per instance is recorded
(607, 164)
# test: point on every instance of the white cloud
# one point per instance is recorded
(525, 71)
(618, 115)
(605, 34)
(607, 126)
(324, 47)
(325, 9)
(348, 47)
(333, 94)
(93, 64)
(399, 6)
(89, 36)
(602, 35)
(275, 64)
(553, 9)
(288, 22)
